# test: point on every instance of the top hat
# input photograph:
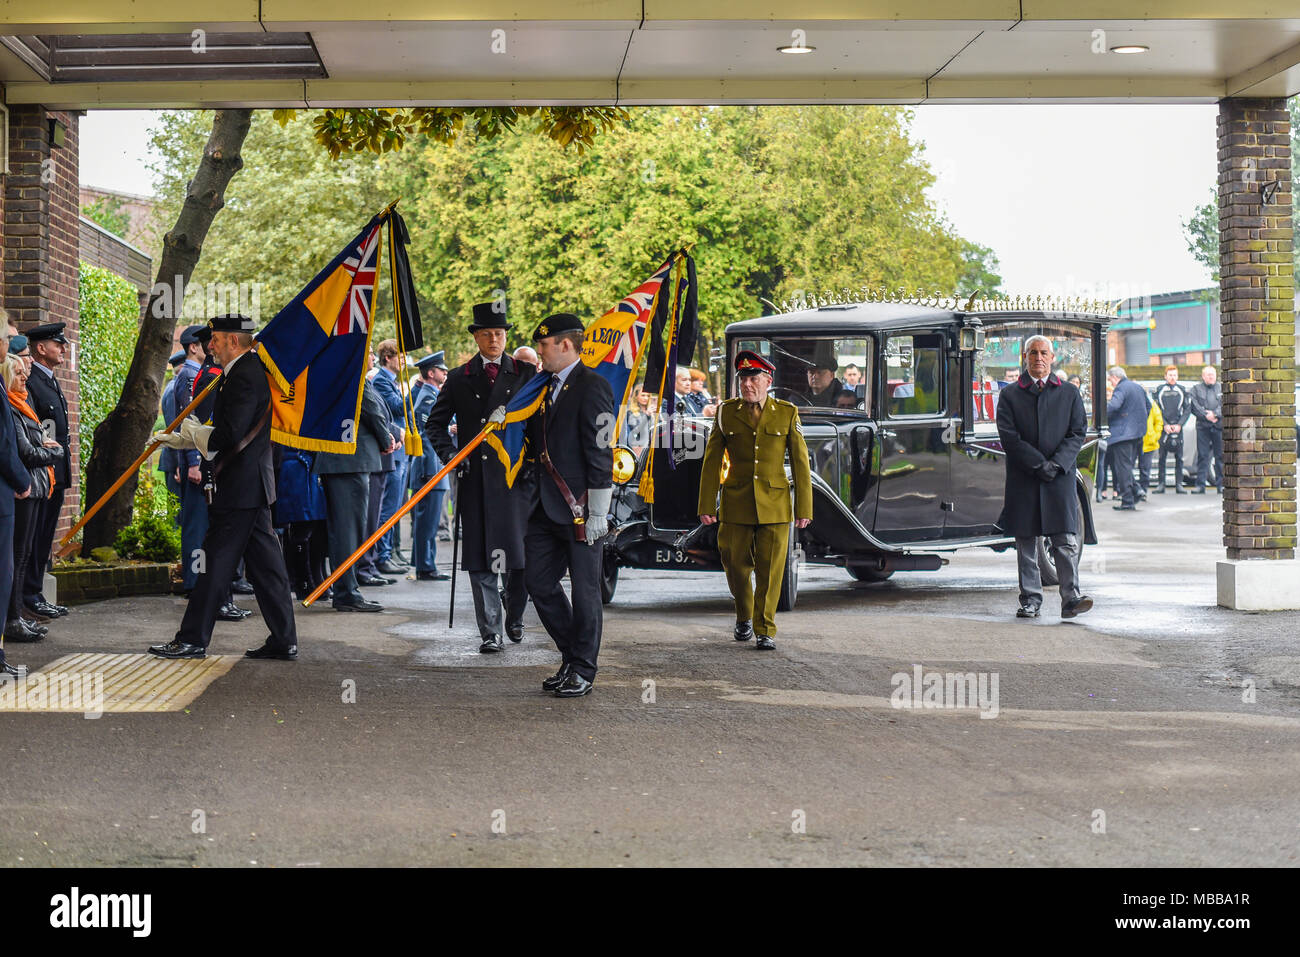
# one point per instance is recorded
(490, 315)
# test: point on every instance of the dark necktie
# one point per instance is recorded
(1038, 386)
(491, 370)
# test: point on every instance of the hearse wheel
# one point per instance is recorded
(868, 573)
(608, 575)
(790, 580)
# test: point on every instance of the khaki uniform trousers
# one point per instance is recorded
(755, 552)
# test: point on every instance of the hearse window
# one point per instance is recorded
(817, 371)
(1001, 360)
(913, 375)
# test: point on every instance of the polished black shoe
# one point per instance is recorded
(178, 649)
(13, 671)
(232, 612)
(48, 610)
(1179, 490)
(491, 644)
(374, 581)
(391, 567)
(432, 577)
(555, 680)
(35, 626)
(240, 586)
(515, 632)
(1158, 491)
(1072, 609)
(744, 630)
(574, 685)
(764, 643)
(398, 557)
(1125, 508)
(18, 631)
(31, 614)
(270, 652)
(1027, 611)
(359, 605)
(444, 537)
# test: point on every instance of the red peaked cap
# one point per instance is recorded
(751, 363)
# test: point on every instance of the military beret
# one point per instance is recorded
(556, 324)
(751, 363)
(50, 331)
(232, 322)
(190, 334)
(17, 343)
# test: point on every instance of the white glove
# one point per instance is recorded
(498, 415)
(598, 502)
(196, 436)
(173, 440)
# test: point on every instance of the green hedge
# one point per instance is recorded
(109, 327)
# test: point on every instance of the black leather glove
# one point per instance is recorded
(1048, 471)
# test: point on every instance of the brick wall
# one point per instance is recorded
(41, 237)
(1257, 303)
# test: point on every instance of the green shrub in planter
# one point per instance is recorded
(151, 538)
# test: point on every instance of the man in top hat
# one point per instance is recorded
(756, 431)
(242, 490)
(424, 525)
(569, 439)
(49, 351)
(492, 514)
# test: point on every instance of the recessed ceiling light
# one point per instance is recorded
(1130, 48)
(795, 49)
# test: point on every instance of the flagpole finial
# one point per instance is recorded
(387, 210)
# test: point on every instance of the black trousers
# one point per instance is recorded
(550, 551)
(47, 519)
(1209, 442)
(1123, 455)
(7, 581)
(368, 564)
(1171, 444)
(305, 553)
(26, 511)
(235, 533)
(345, 526)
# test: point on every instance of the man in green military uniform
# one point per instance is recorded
(755, 431)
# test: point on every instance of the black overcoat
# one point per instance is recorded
(45, 396)
(1035, 428)
(493, 516)
(246, 478)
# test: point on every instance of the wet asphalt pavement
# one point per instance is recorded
(1127, 737)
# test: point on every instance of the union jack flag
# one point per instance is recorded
(613, 342)
(354, 316)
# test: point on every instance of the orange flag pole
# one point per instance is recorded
(65, 544)
(397, 516)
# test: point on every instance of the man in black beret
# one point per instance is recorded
(238, 444)
(492, 514)
(570, 438)
(49, 351)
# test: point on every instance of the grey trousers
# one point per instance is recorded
(486, 589)
(1065, 552)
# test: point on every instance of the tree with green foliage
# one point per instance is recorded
(108, 212)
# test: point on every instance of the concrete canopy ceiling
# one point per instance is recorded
(430, 52)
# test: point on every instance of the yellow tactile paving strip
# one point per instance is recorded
(114, 683)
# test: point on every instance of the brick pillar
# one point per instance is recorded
(41, 239)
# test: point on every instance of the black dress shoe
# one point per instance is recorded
(43, 607)
(240, 586)
(1027, 611)
(555, 680)
(744, 630)
(764, 643)
(515, 632)
(1198, 491)
(359, 605)
(1158, 491)
(178, 649)
(574, 685)
(1125, 508)
(374, 581)
(399, 558)
(13, 671)
(1179, 490)
(31, 614)
(391, 568)
(18, 631)
(491, 644)
(432, 577)
(232, 612)
(35, 626)
(1072, 609)
(270, 652)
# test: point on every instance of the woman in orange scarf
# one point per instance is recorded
(38, 452)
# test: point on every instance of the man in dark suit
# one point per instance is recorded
(242, 489)
(345, 478)
(49, 352)
(1042, 425)
(424, 527)
(570, 438)
(1126, 414)
(493, 515)
(15, 482)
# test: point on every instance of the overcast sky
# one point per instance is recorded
(1075, 200)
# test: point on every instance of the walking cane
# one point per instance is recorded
(455, 553)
